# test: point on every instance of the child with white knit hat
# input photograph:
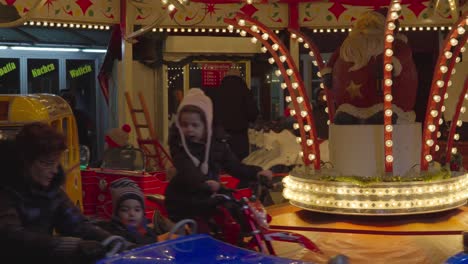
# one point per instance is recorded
(199, 153)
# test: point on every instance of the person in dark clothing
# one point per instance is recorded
(33, 204)
(84, 123)
(234, 107)
(199, 153)
(128, 213)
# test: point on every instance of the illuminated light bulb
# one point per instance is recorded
(288, 99)
(445, 95)
(389, 158)
(457, 60)
(319, 74)
(278, 73)
(311, 53)
(441, 121)
(322, 86)
(394, 15)
(456, 136)
(289, 72)
(300, 40)
(431, 127)
(434, 113)
(442, 109)
(309, 142)
(307, 128)
(300, 99)
(265, 36)
(311, 156)
(396, 7)
(164, 2)
(249, 2)
(264, 49)
(282, 58)
(253, 40)
(171, 7)
(314, 63)
(448, 54)
(454, 71)
(271, 60)
(326, 110)
(459, 123)
(388, 97)
(284, 86)
(389, 143)
(303, 113)
(443, 69)
(388, 112)
(440, 83)
(453, 42)
(388, 52)
(298, 139)
(428, 158)
(293, 35)
(454, 150)
(306, 45)
(430, 142)
(324, 97)
(388, 82)
(328, 122)
(275, 46)
(254, 28)
(439, 134)
(463, 49)
(295, 85)
(243, 33)
(241, 22)
(391, 26)
(389, 38)
(463, 109)
(389, 128)
(296, 125)
(388, 67)
(437, 148)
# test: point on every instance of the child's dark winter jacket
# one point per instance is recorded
(132, 235)
(29, 215)
(187, 194)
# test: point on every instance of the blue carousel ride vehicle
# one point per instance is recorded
(194, 249)
(460, 257)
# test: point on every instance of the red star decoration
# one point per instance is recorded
(49, 4)
(337, 9)
(416, 6)
(84, 5)
(249, 10)
(210, 9)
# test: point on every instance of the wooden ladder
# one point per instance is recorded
(156, 156)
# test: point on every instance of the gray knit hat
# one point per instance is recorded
(123, 189)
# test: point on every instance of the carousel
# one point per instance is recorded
(382, 187)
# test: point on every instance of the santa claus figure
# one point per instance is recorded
(354, 74)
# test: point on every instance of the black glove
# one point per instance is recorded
(90, 250)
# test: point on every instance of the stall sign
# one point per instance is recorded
(80, 71)
(213, 73)
(11, 66)
(43, 70)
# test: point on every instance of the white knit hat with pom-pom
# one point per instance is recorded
(196, 97)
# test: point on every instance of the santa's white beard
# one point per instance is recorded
(359, 48)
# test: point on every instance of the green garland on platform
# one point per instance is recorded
(441, 174)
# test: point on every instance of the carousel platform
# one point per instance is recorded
(426, 238)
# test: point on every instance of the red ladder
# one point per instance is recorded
(156, 156)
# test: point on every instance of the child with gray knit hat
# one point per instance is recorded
(200, 152)
(128, 213)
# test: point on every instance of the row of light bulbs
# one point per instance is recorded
(440, 84)
(392, 197)
(331, 202)
(66, 25)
